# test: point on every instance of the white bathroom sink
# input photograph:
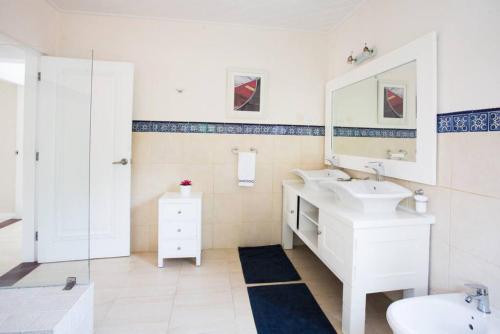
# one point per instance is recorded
(313, 177)
(369, 196)
(441, 314)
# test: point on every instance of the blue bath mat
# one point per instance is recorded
(287, 309)
(266, 264)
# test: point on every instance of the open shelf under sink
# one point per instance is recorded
(308, 223)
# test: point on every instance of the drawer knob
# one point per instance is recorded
(178, 247)
(179, 212)
(178, 230)
(292, 212)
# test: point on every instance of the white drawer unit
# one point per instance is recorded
(179, 227)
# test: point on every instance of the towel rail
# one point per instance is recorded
(236, 150)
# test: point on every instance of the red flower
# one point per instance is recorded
(186, 183)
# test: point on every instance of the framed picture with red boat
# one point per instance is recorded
(392, 103)
(246, 93)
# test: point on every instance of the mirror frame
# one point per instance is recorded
(424, 52)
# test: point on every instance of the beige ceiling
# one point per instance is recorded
(316, 15)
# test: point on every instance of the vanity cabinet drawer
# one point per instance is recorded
(178, 248)
(178, 211)
(178, 230)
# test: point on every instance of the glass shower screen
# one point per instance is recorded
(49, 242)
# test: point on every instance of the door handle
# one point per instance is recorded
(121, 162)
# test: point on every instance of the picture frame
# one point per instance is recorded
(392, 101)
(246, 93)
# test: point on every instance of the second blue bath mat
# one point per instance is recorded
(287, 309)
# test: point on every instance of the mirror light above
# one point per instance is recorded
(385, 111)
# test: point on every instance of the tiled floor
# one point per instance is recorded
(132, 295)
(11, 241)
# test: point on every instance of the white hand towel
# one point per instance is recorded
(246, 169)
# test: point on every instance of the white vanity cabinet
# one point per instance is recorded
(368, 252)
(179, 226)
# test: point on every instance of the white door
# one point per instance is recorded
(111, 143)
(79, 189)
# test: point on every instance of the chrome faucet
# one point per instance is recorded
(482, 297)
(378, 168)
(334, 164)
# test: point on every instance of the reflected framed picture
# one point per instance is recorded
(246, 93)
(392, 103)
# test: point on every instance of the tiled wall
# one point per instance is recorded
(465, 243)
(232, 216)
(465, 239)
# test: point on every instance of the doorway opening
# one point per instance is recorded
(12, 75)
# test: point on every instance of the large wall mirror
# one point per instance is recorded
(386, 111)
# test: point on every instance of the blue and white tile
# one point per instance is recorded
(478, 122)
(373, 132)
(227, 128)
(494, 120)
(481, 120)
(460, 123)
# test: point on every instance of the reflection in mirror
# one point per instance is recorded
(376, 117)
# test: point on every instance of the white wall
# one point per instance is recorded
(464, 244)
(33, 23)
(12, 71)
(468, 73)
(20, 149)
(169, 55)
(194, 57)
(8, 114)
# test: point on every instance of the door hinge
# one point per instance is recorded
(36, 236)
(39, 76)
(37, 156)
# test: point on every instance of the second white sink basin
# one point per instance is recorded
(441, 314)
(369, 196)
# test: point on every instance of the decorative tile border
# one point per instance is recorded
(339, 131)
(469, 121)
(462, 121)
(228, 128)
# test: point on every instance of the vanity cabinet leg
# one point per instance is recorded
(198, 260)
(287, 237)
(160, 262)
(353, 310)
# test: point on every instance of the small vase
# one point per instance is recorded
(185, 191)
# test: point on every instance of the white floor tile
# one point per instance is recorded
(133, 295)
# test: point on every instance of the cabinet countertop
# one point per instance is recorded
(178, 196)
(327, 201)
